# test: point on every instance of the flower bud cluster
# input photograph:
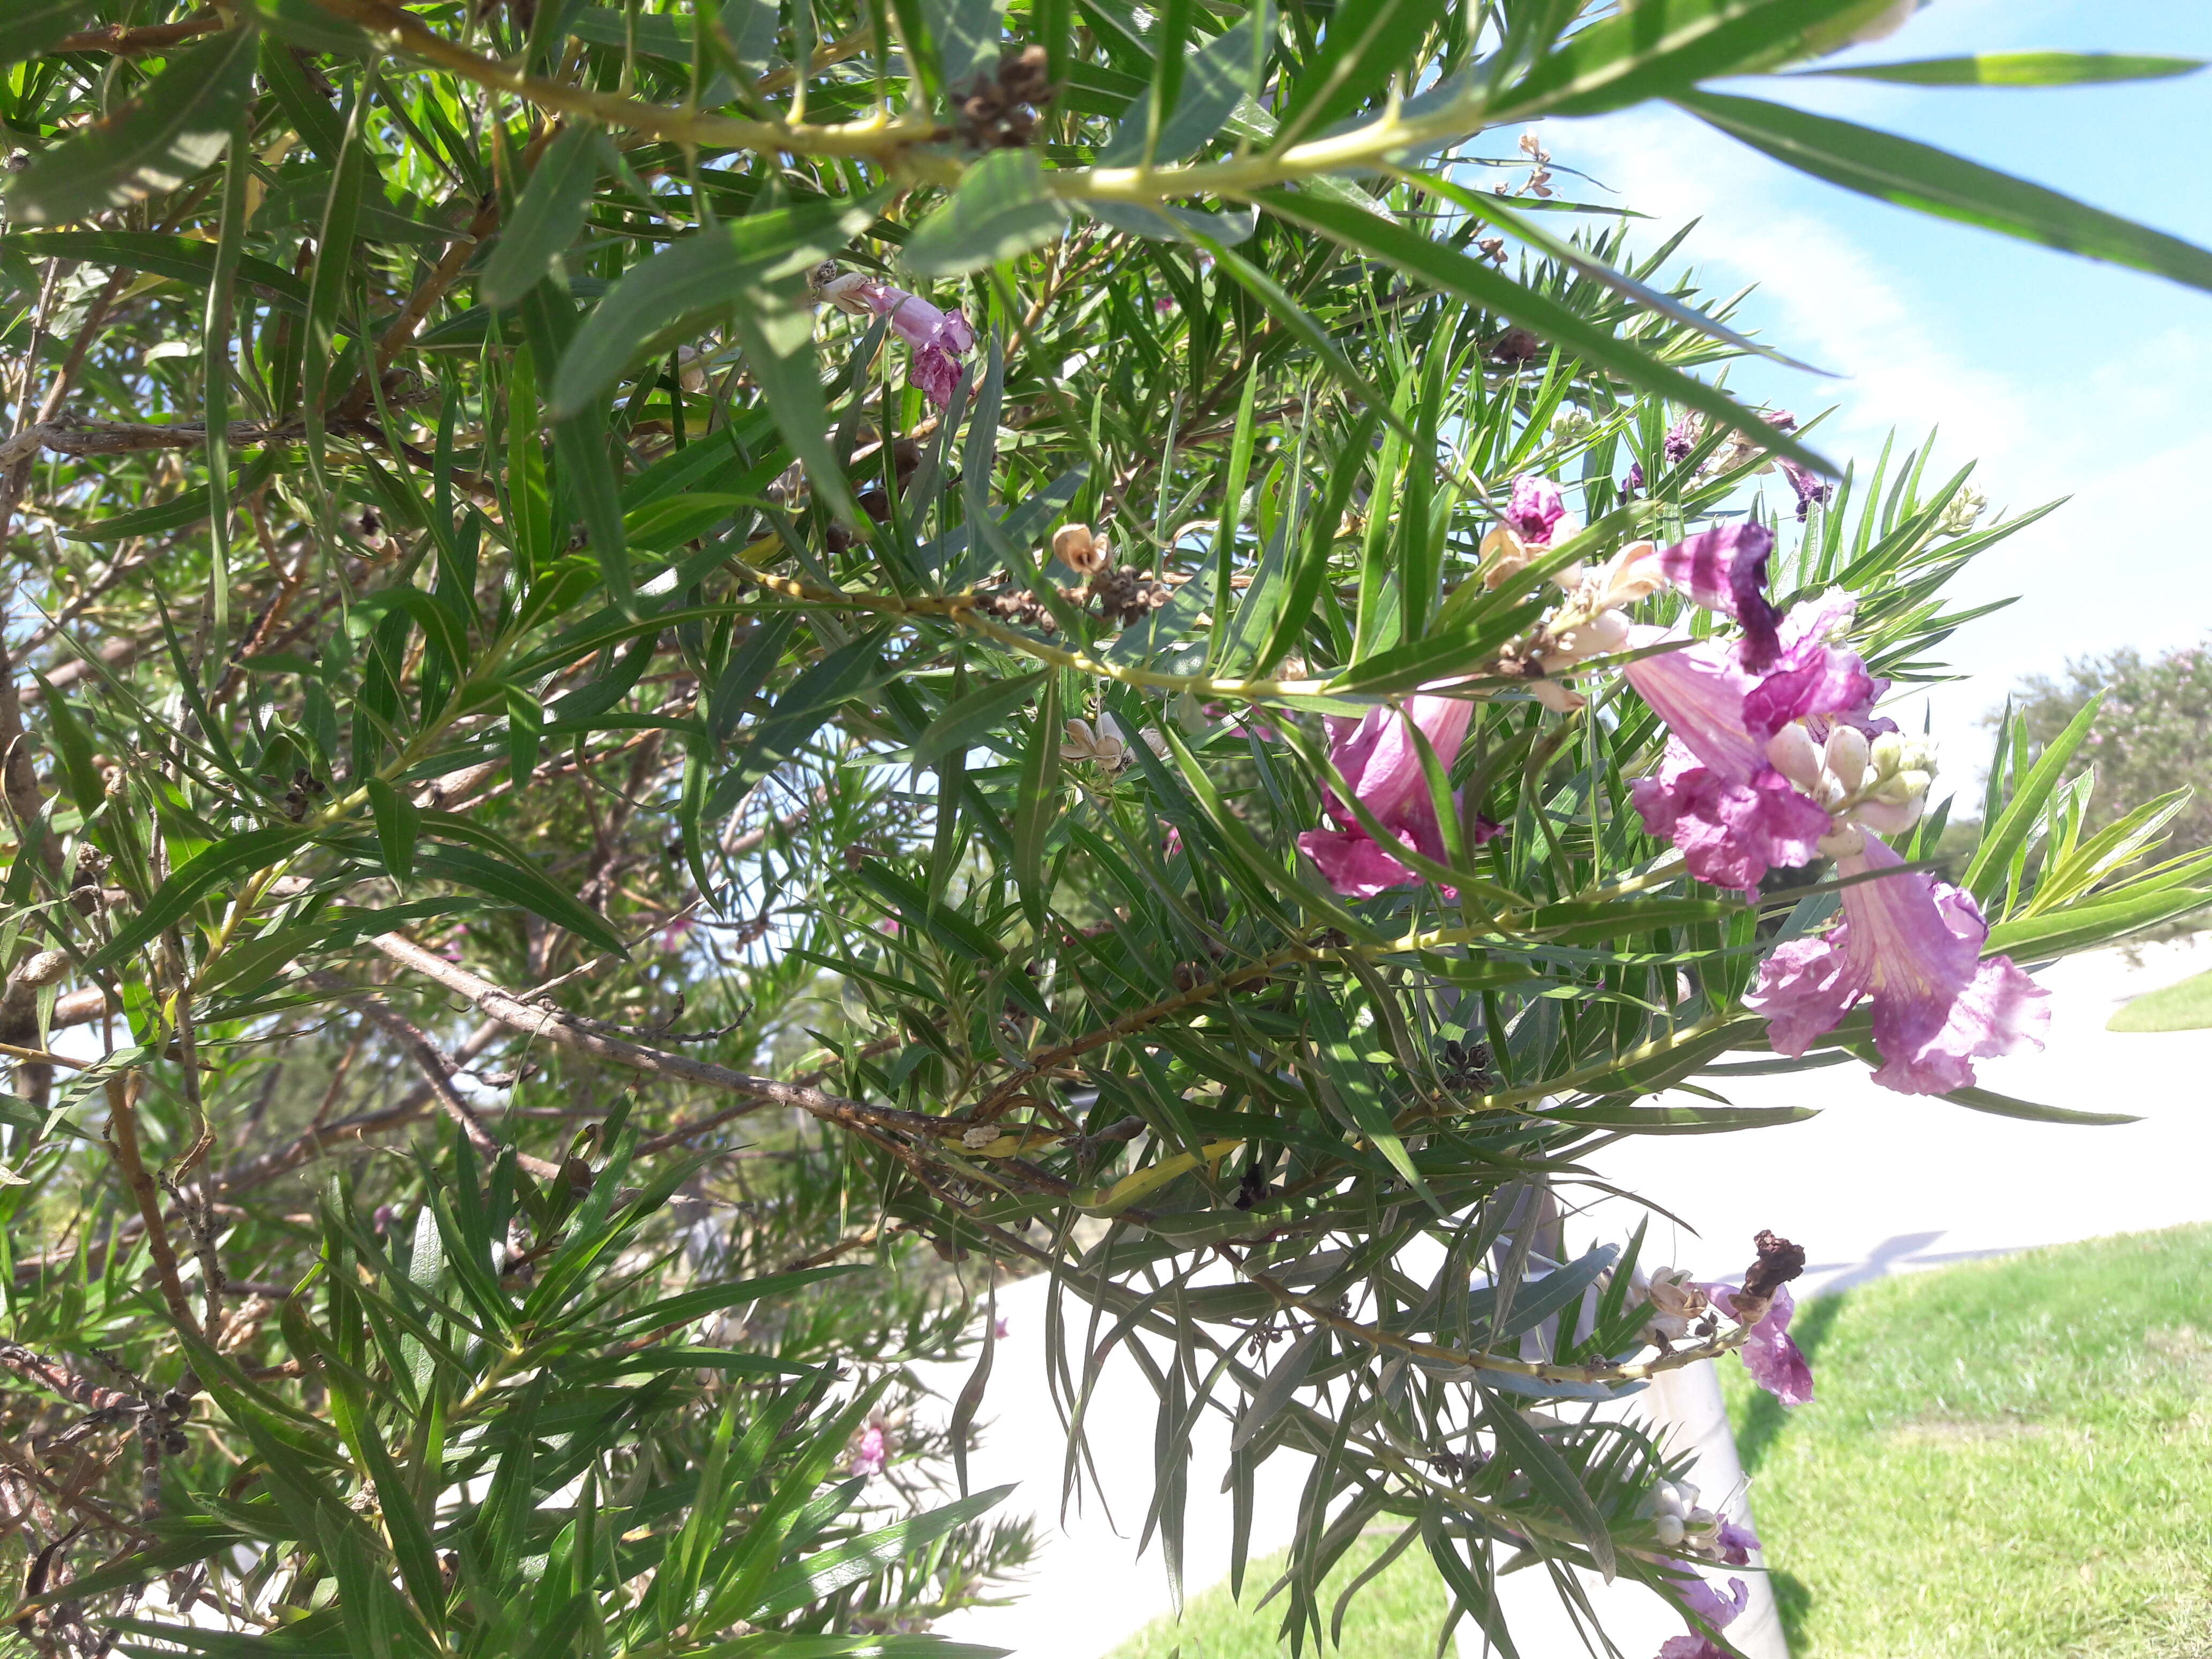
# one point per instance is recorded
(1878, 783)
(1679, 1523)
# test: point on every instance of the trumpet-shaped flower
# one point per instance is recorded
(1770, 1354)
(1913, 945)
(1724, 569)
(940, 338)
(1720, 794)
(1536, 518)
(1380, 762)
(1534, 508)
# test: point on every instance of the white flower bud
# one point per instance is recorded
(1668, 1528)
(1847, 757)
(1790, 752)
(1886, 754)
(1842, 841)
(1901, 787)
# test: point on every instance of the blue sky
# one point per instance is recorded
(2061, 376)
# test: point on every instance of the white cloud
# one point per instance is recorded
(2079, 407)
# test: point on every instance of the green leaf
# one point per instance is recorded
(971, 1392)
(826, 1571)
(690, 1306)
(304, 24)
(1220, 76)
(1984, 1100)
(34, 24)
(226, 860)
(1036, 803)
(397, 824)
(999, 210)
(1893, 169)
(1475, 280)
(2085, 927)
(513, 883)
(176, 129)
(809, 702)
(964, 721)
(1525, 1446)
(730, 265)
(1660, 47)
(775, 329)
(183, 257)
(1282, 1381)
(2021, 68)
(1627, 1120)
(547, 217)
(967, 34)
(1364, 46)
(1985, 875)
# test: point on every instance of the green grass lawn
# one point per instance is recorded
(2183, 1008)
(2007, 1459)
(1396, 1616)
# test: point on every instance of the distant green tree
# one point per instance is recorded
(2148, 739)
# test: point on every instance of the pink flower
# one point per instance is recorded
(674, 936)
(1811, 491)
(1724, 569)
(1709, 1604)
(1535, 507)
(1717, 795)
(1776, 1363)
(872, 1448)
(1736, 1543)
(1729, 831)
(940, 338)
(1914, 944)
(999, 1330)
(1378, 759)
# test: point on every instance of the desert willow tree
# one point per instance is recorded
(684, 681)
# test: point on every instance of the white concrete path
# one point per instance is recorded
(1878, 1184)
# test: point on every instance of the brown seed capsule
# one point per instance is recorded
(43, 969)
(1074, 546)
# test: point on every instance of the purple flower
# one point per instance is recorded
(1534, 506)
(1691, 1646)
(1717, 794)
(1635, 476)
(1811, 679)
(1378, 758)
(1914, 944)
(1771, 1356)
(1681, 438)
(1730, 831)
(938, 337)
(1711, 1605)
(1736, 1543)
(1724, 569)
(1812, 492)
(872, 1448)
